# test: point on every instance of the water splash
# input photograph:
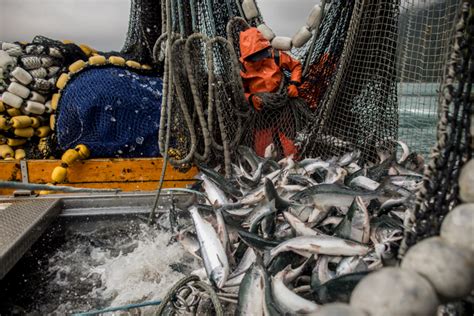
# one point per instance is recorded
(108, 263)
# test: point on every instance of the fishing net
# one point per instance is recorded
(145, 26)
(425, 32)
(454, 147)
(111, 110)
(370, 62)
(359, 107)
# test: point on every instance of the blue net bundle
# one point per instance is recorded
(114, 111)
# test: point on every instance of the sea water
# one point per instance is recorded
(418, 115)
(98, 264)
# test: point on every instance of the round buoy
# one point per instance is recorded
(394, 291)
(446, 267)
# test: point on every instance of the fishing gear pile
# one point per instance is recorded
(28, 76)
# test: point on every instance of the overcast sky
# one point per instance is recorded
(103, 23)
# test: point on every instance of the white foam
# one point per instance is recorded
(134, 270)
(143, 274)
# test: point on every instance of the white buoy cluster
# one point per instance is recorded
(300, 38)
(436, 270)
(28, 74)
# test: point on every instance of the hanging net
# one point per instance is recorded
(454, 147)
(425, 32)
(366, 74)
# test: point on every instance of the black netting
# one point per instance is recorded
(145, 26)
(327, 53)
(360, 110)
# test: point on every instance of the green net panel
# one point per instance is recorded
(425, 31)
(454, 147)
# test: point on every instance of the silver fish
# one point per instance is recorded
(321, 273)
(298, 226)
(252, 292)
(215, 195)
(328, 245)
(270, 151)
(350, 265)
(356, 224)
(247, 260)
(190, 243)
(212, 251)
(288, 301)
(258, 214)
(332, 195)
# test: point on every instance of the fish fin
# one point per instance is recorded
(256, 242)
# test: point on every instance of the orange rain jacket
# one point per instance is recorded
(264, 75)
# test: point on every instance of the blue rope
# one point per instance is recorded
(119, 308)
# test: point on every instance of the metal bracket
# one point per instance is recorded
(24, 171)
(24, 179)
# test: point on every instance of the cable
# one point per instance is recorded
(119, 308)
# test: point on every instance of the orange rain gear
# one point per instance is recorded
(265, 76)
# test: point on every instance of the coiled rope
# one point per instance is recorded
(187, 287)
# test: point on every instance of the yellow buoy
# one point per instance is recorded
(13, 142)
(20, 154)
(146, 67)
(76, 66)
(83, 151)
(55, 101)
(66, 41)
(87, 49)
(14, 112)
(35, 122)
(62, 81)
(24, 132)
(4, 123)
(6, 151)
(133, 64)
(70, 156)
(97, 60)
(43, 131)
(52, 121)
(43, 192)
(21, 121)
(117, 60)
(59, 174)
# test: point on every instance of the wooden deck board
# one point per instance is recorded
(127, 174)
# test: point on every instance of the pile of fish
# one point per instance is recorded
(285, 237)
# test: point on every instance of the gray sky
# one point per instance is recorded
(102, 24)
